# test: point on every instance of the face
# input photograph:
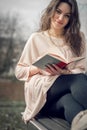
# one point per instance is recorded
(61, 16)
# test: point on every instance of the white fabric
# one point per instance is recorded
(37, 85)
(80, 121)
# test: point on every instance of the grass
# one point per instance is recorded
(11, 105)
(10, 115)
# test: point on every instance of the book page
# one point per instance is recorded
(49, 59)
(77, 59)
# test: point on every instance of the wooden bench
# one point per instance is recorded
(48, 123)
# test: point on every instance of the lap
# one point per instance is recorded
(72, 83)
(67, 84)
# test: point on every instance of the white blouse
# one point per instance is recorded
(37, 85)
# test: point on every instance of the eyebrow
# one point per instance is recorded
(61, 11)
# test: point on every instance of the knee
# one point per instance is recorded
(70, 106)
(79, 84)
(79, 89)
(82, 77)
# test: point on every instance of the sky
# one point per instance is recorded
(30, 11)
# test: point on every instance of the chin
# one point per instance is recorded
(58, 27)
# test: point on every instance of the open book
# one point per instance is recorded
(43, 61)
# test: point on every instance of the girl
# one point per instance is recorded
(54, 91)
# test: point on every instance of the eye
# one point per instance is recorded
(58, 11)
(67, 16)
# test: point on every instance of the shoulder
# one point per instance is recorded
(32, 38)
(35, 39)
(36, 35)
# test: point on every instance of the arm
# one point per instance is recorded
(24, 72)
(24, 69)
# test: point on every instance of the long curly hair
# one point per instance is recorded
(72, 29)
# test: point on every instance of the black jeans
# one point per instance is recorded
(66, 97)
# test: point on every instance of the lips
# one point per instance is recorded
(59, 22)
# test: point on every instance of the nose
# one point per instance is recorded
(61, 17)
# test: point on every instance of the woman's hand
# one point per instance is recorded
(33, 70)
(55, 70)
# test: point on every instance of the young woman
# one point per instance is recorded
(54, 91)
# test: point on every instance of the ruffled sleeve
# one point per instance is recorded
(28, 56)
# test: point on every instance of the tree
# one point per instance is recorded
(9, 32)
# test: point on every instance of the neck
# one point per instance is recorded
(56, 33)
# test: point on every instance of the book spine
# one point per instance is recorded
(62, 65)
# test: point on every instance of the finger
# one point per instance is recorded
(59, 70)
(51, 70)
(56, 67)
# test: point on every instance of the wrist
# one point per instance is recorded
(33, 71)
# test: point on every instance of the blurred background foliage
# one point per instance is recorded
(11, 43)
(11, 90)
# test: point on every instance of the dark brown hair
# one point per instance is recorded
(72, 30)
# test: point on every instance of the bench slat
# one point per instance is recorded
(61, 122)
(38, 125)
(51, 124)
(48, 123)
